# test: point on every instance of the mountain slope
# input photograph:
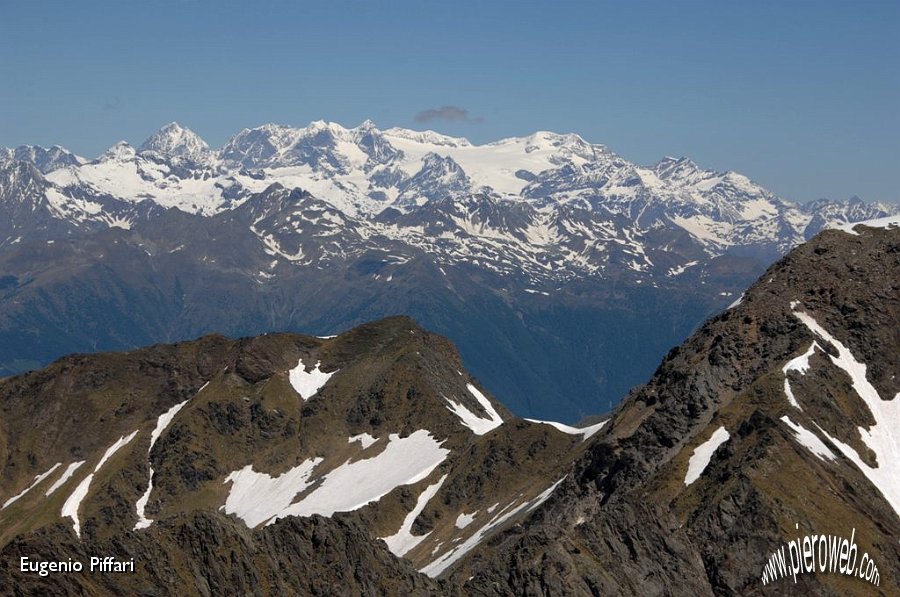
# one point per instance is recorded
(377, 433)
(777, 419)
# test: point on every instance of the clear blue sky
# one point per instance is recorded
(802, 96)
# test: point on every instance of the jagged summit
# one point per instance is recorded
(44, 159)
(118, 152)
(175, 141)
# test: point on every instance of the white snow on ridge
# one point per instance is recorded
(70, 507)
(161, 423)
(67, 474)
(122, 441)
(703, 453)
(352, 485)
(585, 432)
(307, 384)
(37, 479)
(477, 424)
(887, 222)
(164, 420)
(801, 365)
(790, 394)
(882, 437)
(438, 566)
(257, 497)
(809, 440)
(403, 540)
(737, 302)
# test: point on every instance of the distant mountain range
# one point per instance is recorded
(373, 463)
(563, 271)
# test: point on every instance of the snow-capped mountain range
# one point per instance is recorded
(563, 271)
(551, 205)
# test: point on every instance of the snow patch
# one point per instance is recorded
(37, 479)
(881, 437)
(161, 423)
(739, 300)
(403, 540)
(67, 474)
(809, 439)
(678, 270)
(464, 520)
(790, 395)
(585, 432)
(703, 453)
(363, 438)
(307, 384)
(257, 497)
(438, 566)
(70, 508)
(478, 425)
(801, 364)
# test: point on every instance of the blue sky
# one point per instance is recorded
(802, 96)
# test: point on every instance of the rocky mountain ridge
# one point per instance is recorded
(380, 423)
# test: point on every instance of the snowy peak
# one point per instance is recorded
(257, 146)
(675, 168)
(439, 177)
(45, 160)
(21, 185)
(568, 144)
(279, 146)
(427, 137)
(829, 212)
(175, 141)
(120, 152)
